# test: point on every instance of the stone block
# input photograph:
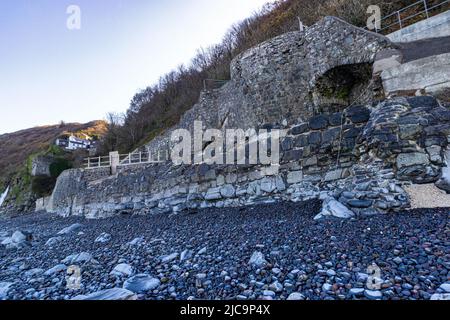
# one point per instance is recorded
(228, 191)
(294, 177)
(315, 138)
(318, 122)
(336, 119)
(301, 128)
(301, 141)
(333, 175)
(358, 114)
(410, 131)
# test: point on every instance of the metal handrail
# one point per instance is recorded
(400, 21)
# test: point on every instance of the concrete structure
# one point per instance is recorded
(40, 166)
(42, 204)
(434, 27)
(427, 75)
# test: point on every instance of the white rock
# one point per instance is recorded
(122, 269)
(296, 296)
(17, 240)
(4, 288)
(440, 296)
(334, 208)
(77, 258)
(269, 293)
(373, 294)
(70, 229)
(327, 287)
(18, 237)
(445, 287)
(357, 291)
(110, 294)
(169, 258)
(103, 238)
(141, 283)
(186, 254)
(257, 260)
(136, 241)
(202, 251)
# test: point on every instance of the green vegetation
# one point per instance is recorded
(58, 166)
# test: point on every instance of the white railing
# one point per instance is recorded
(128, 159)
(397, 20)
(144, 157)
(97, 162)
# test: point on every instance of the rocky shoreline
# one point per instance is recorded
(271, 251)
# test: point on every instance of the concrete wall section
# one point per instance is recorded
(434, 27)
(431, 74)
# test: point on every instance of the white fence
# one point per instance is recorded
(413, 13)
(127, 159)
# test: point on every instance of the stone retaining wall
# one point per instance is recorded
(380, 148)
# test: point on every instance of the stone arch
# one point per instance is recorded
(342, 86)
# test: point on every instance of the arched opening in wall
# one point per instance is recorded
(341, 86)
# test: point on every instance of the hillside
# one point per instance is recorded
(19, 148)
(16, 147)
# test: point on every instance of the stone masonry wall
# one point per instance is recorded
(380, 148)
(361, 155)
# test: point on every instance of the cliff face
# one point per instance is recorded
(316, 85)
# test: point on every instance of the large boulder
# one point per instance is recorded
(333, 208)
(19, 239)
(70, 229)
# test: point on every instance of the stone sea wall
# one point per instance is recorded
(362, 156)
(318, 86)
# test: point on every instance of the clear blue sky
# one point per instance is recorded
(49, 73)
